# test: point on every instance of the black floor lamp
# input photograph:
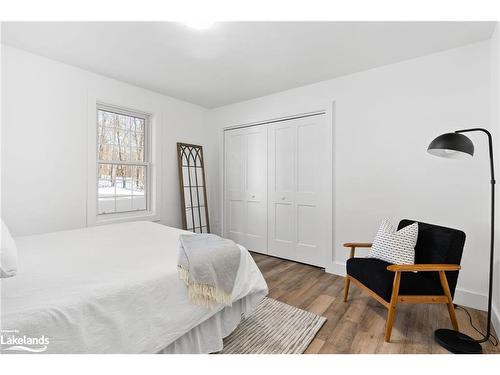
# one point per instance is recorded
(455, 146)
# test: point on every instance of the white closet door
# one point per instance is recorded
(246, 187)
(297, 190)
(256, 188)
(234, 190)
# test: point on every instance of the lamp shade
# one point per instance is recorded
(451, 146)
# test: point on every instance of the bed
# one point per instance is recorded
(115, 289)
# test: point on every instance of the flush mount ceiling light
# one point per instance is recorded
(199, 24)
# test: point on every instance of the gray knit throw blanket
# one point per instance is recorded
(208, 264)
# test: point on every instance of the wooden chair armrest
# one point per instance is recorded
(357, 244)
(353, 245)
(422, 267)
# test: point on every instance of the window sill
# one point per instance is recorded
(123, 218)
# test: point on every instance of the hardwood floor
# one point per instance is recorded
(358, 325)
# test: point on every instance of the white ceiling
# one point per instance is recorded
(235, 61)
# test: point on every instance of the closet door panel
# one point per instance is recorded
(245, 190)
(235, 159)
(235, 194)
(309, 198)
(236, 217)
(284, 169)
(307, 157)
(283, 223)
(256, 158)
(296, 197)
(256, 188)
(281, 182)
(307, 234)
(281, 242)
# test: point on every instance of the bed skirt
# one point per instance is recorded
(207, 337)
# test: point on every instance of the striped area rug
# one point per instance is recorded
(274, 328)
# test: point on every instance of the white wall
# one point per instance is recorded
(383, 122)
(44, 141)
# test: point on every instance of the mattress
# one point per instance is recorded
(112, 289)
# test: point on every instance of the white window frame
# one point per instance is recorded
(147, 155)
(151, 156)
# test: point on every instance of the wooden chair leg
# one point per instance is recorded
(447, 293)
(346, 288)
(347, 279)
(391, 314)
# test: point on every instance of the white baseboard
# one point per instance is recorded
(336, 268)
(495, 319)
(462, 296)
(468, 298)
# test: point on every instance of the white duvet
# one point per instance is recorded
(107, 289)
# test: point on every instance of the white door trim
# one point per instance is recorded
(277, 119)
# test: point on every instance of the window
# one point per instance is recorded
(122, 161)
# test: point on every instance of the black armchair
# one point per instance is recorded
(432, 279)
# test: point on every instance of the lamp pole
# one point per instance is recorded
(492, 226)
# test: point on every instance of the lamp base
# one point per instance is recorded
(457, 342)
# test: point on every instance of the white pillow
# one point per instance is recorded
(8, 253)
(395, 247)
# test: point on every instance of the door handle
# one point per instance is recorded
(283, 198)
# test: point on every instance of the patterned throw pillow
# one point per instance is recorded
(397, 247)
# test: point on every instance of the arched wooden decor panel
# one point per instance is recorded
(194, 205)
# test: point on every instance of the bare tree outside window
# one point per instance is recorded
(121, 161)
